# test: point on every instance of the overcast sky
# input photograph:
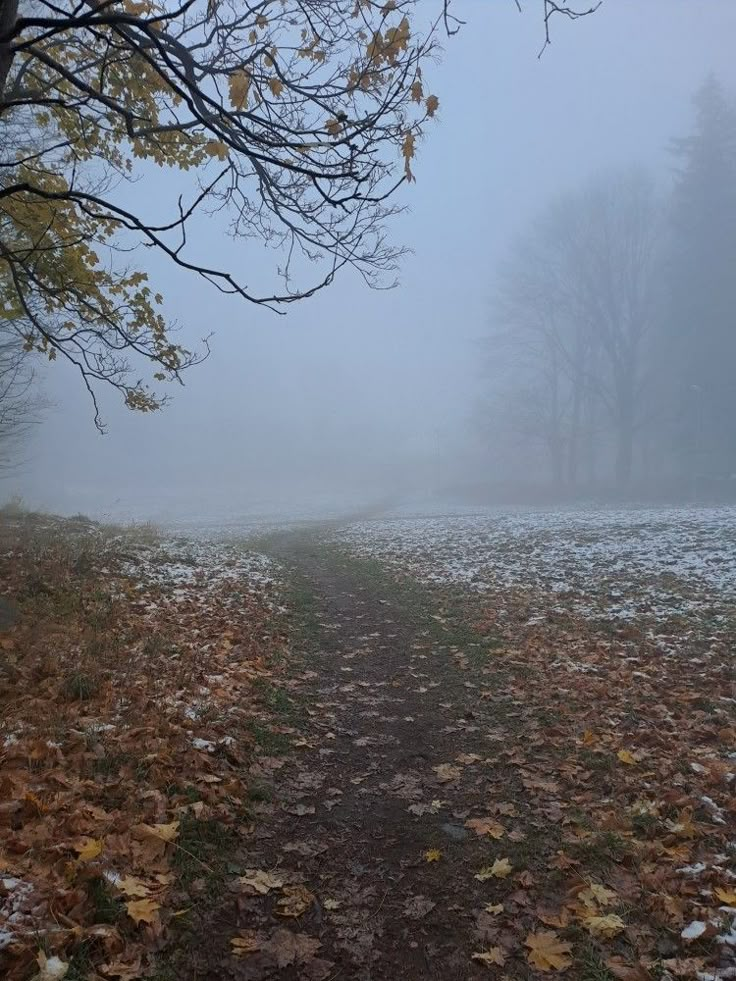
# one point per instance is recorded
(361, 393)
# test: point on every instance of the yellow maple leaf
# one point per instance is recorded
(604, 926)
(333, 127)
(432, 855)
(130, 886)
(589, 738)
(597, 895)
(432, 105)
(683, 826)
(626, 757)
(89, 849)
(417, 91)
(500, 869)
(547, 952)
(494, 956)
(143, 910)
(276, 86)
(727, 896)
(166, 832)
(216, 148)
(239, 86)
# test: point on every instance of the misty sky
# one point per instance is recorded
(361, 393)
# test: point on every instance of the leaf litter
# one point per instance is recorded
(592, 771)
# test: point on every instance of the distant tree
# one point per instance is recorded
(697, 342)
(19, 403)
(576, 304)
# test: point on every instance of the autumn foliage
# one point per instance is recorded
(300, 120)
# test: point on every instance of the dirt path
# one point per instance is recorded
(370, 816)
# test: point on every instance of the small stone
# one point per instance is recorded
(455, 832)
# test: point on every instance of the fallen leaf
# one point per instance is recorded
(332, 904)
(597, 895)
(432, 855)
(446, 772)
(294, 901)
(547, 952)
(727, 896)
(166, 832)
(550, 918)
(417, 907)
(604, 926)
(125, 971)
(494, 908)
(143, 910)
(247, 942)
(88, 849)
(500, 869)
(132, 887)
(260, 881)
(494, 956)
(684, 967)
(627, 972)
(626, 757)
(291, 948)
(486, 826)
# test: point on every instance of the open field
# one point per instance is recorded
(497, 745)
(669, 570)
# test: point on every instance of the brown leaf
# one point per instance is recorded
(547, 952)
(486, 826)
(496, 956)
(446, 772)
(260, 881)
(143, 910)
(246, 942)
(417, 907)
(291, 948)
(294, 901)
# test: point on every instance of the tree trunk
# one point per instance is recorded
(8, 17)
(624, 437)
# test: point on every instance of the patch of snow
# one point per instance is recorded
(648, 565)
(204, 744)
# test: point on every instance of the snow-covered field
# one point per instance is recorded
(179, 565)
(652, 564)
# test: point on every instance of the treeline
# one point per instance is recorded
(613, 347)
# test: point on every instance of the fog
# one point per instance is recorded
(357, 397)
